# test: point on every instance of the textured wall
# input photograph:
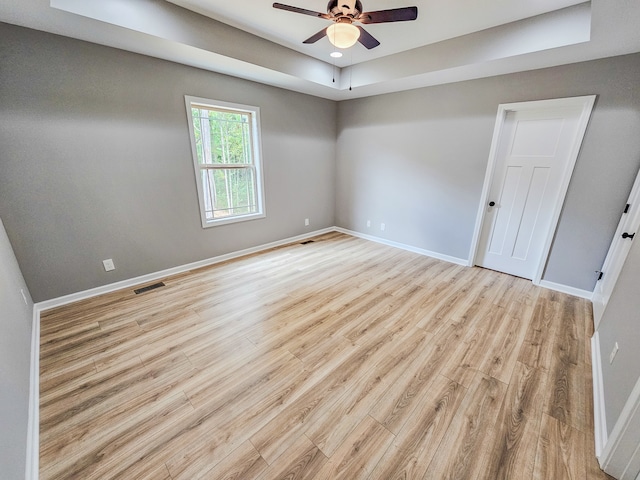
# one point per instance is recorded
(15, 345)
(96, 162)
(621, 323)
(416, 161)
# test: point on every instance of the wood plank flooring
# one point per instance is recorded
(337, 359)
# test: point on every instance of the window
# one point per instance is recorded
(225, 143)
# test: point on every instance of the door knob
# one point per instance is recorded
(626, 235)
(491, 204)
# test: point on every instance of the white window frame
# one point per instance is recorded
(256, 146)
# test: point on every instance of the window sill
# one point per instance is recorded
(236, 219)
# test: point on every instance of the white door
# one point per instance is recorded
(533, 154)
(617, 254)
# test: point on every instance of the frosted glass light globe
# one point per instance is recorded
(343, 35)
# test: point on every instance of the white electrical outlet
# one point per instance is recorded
(368, 223)
(613, 353)
(108, 265)
(24, 297)
(306, 222)
(382, 226)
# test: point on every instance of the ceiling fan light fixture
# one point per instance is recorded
(343, 35)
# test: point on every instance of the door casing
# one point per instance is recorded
(586, 103)
(617, 254)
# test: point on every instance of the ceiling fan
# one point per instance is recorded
(343, 33)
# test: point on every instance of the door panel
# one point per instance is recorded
(531, 212)
(529, 131)
(505, 206)
(617, 254)
(534, 154)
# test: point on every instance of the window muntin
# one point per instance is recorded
(226, 152)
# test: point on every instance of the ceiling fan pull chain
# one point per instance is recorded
(350, 69)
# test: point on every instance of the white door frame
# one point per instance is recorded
(586, 102)
(616, 255)
(620, 455)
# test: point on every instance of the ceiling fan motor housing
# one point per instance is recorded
(343, 13)
(341, 8)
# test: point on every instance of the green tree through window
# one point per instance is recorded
(226, 153)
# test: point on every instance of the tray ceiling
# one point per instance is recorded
(451, 41)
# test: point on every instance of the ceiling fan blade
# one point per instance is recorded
(303, 11)
(392, 15)
(316, 37)
(367, 39)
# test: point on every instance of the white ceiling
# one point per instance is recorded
(437, 20)
(452, 40)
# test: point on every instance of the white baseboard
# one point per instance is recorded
(83, 295)
(599, 417)
(34, 394)
(620, 456)
(33, 428)
(33, 432)
(421, 251)
(112, 287)
(576, 292)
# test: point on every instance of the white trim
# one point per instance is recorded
(32, 463)
(33, 428)
(458, 261)
(599, 416)
(112, 287)
(486, 184)
(558, 287)
(617, 254)
(587, 103)
(616, 457)
(256, 150)
(633, 465)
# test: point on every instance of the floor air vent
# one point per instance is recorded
(305, 242)
(149, 287)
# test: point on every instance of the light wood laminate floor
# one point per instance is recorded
(337, 359)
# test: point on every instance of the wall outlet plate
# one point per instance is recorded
(613, 353)
(24, 297)
(108, 265)
(306, 222)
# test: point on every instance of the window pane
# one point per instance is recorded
(197, 132)
(228, 192)
(222, 137)
(226, 156)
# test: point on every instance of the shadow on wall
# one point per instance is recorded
(15, 347)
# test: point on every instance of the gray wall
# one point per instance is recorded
(15, 345)
(416, 161)
(621, 323)
(96, 162)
